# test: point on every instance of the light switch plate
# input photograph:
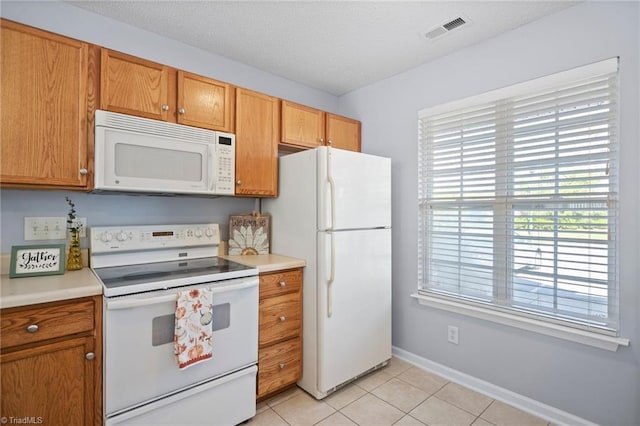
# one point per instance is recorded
(45, 228)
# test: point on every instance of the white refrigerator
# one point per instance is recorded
(334, 211)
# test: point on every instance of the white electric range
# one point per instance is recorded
(141, 269)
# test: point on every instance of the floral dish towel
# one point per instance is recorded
(193, 340)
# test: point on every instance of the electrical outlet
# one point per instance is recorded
(45, 228)
(81, 222)
(452, 334)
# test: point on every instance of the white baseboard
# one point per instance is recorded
(531, 406)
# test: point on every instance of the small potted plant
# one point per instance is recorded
(74, 257)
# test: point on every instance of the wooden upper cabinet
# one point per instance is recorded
(204, 102)
(257, 135)
(43, 112)
(302, 126)
(343, 132)
(135, 86)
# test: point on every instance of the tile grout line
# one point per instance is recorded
(403, 411)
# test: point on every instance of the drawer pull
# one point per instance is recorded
(90, 356)
(282, 318)
(282, 366)
(282, 283)
(32, 328)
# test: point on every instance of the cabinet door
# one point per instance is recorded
(343, 132)
(302, 126)
(131, 85)
(54, 383)
(44, 108)
(257, 124)
(204, 102)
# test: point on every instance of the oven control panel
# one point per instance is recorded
(108, 239)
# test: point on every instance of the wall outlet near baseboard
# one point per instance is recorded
(452, 334)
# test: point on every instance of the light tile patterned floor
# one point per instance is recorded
(398, 394)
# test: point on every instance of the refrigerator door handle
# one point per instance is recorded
(332, 274)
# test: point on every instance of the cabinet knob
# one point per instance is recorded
(321, 141)
(165, 107)
(282, 318)
(281, 365)
(282, 283)
(238, 182)
(181, 111)
(83, 171)
(90, 356)
(329, 142)
(32, 328)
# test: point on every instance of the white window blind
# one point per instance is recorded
(518, 199)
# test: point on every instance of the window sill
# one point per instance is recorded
(609, 343)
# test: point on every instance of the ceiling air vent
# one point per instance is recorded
(454, 24)
(445, 28)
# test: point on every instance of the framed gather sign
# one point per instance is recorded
(31, 261)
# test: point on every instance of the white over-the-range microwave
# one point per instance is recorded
(134, 154)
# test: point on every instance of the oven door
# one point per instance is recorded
(140, 365)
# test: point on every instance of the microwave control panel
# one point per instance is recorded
(225, 163)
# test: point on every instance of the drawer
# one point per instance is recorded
(278, 283)
(280, 318)
(279, 365)
(45, 322)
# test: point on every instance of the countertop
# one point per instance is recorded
(267, 262)
(31, 290)
(73, 284)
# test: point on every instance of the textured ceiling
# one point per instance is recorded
(334, 46)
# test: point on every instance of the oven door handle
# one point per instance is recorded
(134, 303)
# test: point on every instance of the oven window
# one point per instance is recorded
(163, 327)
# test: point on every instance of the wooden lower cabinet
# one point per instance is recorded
(48, 376)
(280, 338)
(279, 366)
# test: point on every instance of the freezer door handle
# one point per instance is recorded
(332, 191)
(332, 274)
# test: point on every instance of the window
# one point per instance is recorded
(518, 199)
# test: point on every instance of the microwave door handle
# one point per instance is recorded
(211, 170)
(134, 303)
